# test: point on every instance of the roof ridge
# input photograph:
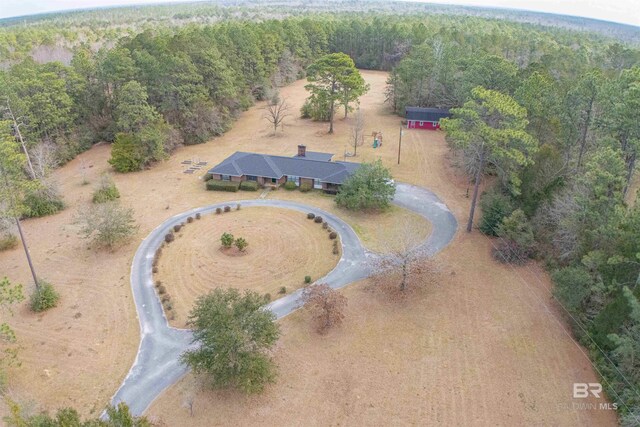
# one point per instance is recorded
(272, 165)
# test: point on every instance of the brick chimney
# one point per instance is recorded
(302, 150)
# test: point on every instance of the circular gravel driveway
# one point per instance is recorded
(157, 364)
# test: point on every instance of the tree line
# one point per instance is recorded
(556, 129)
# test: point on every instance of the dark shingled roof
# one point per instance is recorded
(426, 114)
(316, 155)
(241, 163)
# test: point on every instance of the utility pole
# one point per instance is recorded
(16, 126)
(24, 242)
(26, 251)
(399, 144)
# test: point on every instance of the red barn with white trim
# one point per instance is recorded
(425, 118)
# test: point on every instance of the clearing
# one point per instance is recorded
(284, 247)
(484, 347)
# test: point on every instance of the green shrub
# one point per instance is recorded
(230, 186)
(44, 297)
(126, 153)
(267, 298)
(162, 290)
(198, 216)
(8, 241)
(311, 215)
(106, 190)
(305, 187)
(42, 203)
(333, 235)
(227, 240)
(177, 227)
(241, 244)
(283, 290)
(169, 237)
(227, 208)
(495, 207)
(249, 186)
(290, 185)
(307, 279)
(190, 219)
(317, 219)
(206, 177)
(325, 225)
(218, 211)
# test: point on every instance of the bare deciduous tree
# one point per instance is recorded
(407, 266)
(43, 159)
(357, 131)
(276, 111)
(326, 305)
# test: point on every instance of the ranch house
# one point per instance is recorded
(312, 168)
(425, 118)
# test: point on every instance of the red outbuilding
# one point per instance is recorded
(425, 118)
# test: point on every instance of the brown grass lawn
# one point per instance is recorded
(376, 229)
(482, 347)
(284, 246)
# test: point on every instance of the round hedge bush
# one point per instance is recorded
(43, 297)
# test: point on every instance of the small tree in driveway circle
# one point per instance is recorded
(227, 240)
(241, 244)
(234, 334)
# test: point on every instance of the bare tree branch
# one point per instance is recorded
(276, 111)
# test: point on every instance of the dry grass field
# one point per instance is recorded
(284, 247)
(484, 347)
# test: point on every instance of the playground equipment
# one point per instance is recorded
(377, 139)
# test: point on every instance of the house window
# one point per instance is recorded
(421, 123)
(317, 184)
(293, 178)
(273, 180)
(252, 178)
(226, 178)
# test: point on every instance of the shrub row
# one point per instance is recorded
(290, 185)
(305, 187)
(249, 186)
(215, 185)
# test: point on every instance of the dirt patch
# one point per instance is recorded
(284, 247)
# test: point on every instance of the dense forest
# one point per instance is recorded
(575, 95)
